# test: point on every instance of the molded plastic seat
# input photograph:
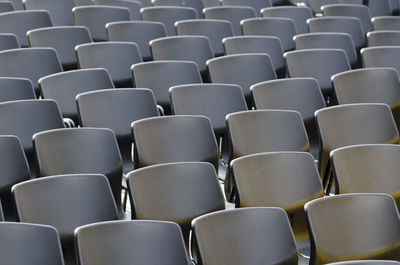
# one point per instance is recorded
(133, 6)
(283, 28)
(116, 57)
(209, 3)
(379, 7)
(316, 5)
(20, 22)
(383, 38)
(244, 236)
(59, 10)
(386, 23)
(12, 88)
(63, 40)
(8, 41)
(168, 15)
(381, 56)
(84, 2)
(139, 32)
(85, 150)
(233, 14)
(214, 30)
(256, 4)
(184, 191)
(64, 87)
(95, 18)
(377, 236)
(6, 6)
(298, 14)
(30, 244)
(198, 5)
(100, 109)
(145, 3)
(131, 242)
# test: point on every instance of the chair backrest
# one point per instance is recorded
(283, 28)
(161, 75)
(383, 38)
(64, 87)
(316, 5)
(253, 236)
(20, 22)
(386, 23)
(139, 32)
(95, 18)
(6, 6)
(8, 41)
(63, 39)
(32, 63)
(214, 30)
(174, 139)
(257, 5)
(59, 10)
(65, 202)
(131, 242)
(381, 56)
(84, 2)
(116, 57)
(214, 101)
(168, 15)
(376, 237)
(13, 88)
(133, 6)
(379, 8)
(298, 14)
(29, 244)
(233, 14)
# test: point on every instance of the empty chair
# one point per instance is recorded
(233, 14)
(12, 88)
(85, 150)
(131, 242)
(313, 63)
(133, 6)
(345, 125)
(84, 2)
(328, 40)
(139, 32)
(383, 38)
(100, 109)
(209, 3)
(381, 56)
(376, 237)
(184, 191)
(256, 4)
(116, 57)
(349, 25)
(8, 41)
(20, 22)
(198, 5)
(214, 30)
(168, 15)
(95, 18)
(386, 23)
(379, 7)
(283, 28)
(298, 14)
(244, 236)
(20, 244)
(145, 2)
(32, 63)
(59, 10)
(316, 5)
(300, 94)
(6, 6)
(161, 75)
(64, 87)
(62, 39)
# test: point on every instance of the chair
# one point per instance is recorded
(376, 237)
(210, 3)
(184, 191)
(313, 63)
(345, 125)
(283, 28)
(32, 63)
(198, 5)
(316, 5)
(6, 6)
(214, 30)
(62, 39)
(183, 48)
(380, 8)
(131, 242)
(84, 2)
(233, 14)
(8, 41)
(257, 5)
(298, 14)
(59, 10)
(95, 18)
(85, 151)
(161, 75)
(117, 57)
(349, 25)
(347, 10)
(133, 6)
(234, 69)
(249, 236)
(383, 38)
(381, 56)
(16, 89)
(29, 244)
(168, 15)
(299, 94)
(145, 3)
(101, 107)
(386, 23)
(20, 22)
(167, 139)
(139, 32)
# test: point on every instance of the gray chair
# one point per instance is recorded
(131, 242)
(381, 56)
(8, 41)
(257, 5)
(379, 7)
(6, 6)
(316, 5)
(145, 3)
(298, 14)
(63, 39)
(13, 88)
(59, 10)
(133, 6)
(198, 5)
(117, 57)
(386, 23)
(139, 32)
(383, 38)
(209, 3)
(84, 2)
